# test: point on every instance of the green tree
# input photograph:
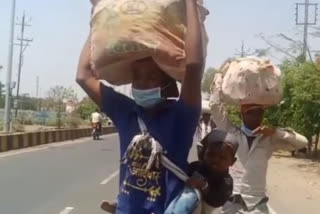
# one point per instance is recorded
(57, 96)
(234, 115)
(86, 108)
(208, 79)
(27, 103)
(300, 108)
(2, 95)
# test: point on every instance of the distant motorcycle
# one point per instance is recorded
(96, 131)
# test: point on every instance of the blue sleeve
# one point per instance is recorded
(188, 113)
(186, 122)
(187, 118)
(114, 104)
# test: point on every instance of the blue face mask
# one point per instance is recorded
(248, 131)
(147, 98)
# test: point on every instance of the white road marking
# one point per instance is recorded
(66, 143)
(22, 151)
(40, 147)
(47, 146)
(67, 210)
(110, 177)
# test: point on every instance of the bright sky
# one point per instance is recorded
(59, 28)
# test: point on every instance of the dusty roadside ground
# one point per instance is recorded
(294, 185)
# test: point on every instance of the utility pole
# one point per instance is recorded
(7, 109)
(306, 28)
(40, 99)
(37, 87)
(306, 6)
(24, 43)
(243, 52)
(1, 87)
(242, 49)
(37, 93)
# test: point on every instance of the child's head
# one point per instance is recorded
(218, 151)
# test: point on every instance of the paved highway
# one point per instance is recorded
(74, 177)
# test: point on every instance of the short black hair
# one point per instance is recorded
(217, 138)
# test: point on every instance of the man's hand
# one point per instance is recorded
(265, 131)
(110, 207)
(197, 183)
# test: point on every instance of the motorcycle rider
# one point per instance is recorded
(96, 121)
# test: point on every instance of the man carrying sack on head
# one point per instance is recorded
(244, 83)
(151, 124)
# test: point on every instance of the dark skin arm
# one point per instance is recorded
(198, 183)
(213, 195)
(85, 76)
(191, 86)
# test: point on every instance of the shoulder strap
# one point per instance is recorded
(142, 125)
(157, 149)
(174, 168)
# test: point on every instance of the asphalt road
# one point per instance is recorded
(59, 178)
(74, 177)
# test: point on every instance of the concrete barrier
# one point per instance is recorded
(24, 140)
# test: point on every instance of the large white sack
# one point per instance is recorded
(250, 80)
